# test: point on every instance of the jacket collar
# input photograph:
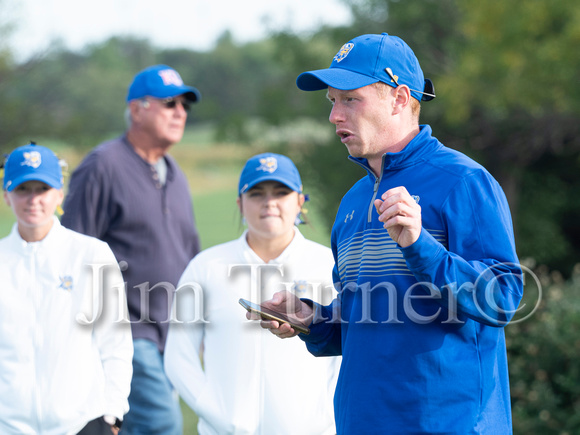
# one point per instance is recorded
(419, 148)
(171, 165)
(297, 240)
(22, 246)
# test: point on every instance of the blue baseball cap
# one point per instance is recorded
(32, 162)
(269, 167)
(161, 81)
(369, 59)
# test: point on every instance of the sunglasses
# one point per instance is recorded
(171, 103)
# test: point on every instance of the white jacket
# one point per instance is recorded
(252, 382)
(57, 374)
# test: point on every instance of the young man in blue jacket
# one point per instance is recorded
(425, 263)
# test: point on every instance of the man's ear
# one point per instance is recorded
(402, 98)
(136, 107)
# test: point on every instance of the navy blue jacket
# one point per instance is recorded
(116, 196)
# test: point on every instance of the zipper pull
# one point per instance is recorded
(377, 183)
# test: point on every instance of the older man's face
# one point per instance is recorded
(165, 119)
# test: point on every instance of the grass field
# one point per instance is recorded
(212, 171)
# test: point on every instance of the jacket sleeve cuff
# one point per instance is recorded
(424, 252)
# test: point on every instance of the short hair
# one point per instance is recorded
(128, 116)
(383, 89)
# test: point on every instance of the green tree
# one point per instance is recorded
(11, 109)
(74, 97)
(231, 79)
(513, 95)
(508, 95)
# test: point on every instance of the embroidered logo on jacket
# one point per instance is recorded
(300, 287)
(349, 216)
(66, 283)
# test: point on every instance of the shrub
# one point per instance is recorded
(543, 353)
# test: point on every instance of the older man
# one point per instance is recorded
(426, 267)
(131, 194)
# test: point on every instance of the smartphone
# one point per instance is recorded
(268, 314)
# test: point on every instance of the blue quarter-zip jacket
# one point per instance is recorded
(420, 329)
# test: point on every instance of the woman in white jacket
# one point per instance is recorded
(235, 386)
(65, 361)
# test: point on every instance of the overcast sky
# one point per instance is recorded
(193, 24)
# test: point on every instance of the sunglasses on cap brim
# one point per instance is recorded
(428, 92)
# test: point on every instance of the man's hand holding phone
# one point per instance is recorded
(294, 316)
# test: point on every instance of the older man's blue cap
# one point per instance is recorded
(269, 167)
(161, 81)
(32, 163)
(370, 59)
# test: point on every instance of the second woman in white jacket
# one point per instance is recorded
(246, 381)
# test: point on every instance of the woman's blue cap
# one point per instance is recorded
(32, 162)
(269, 167)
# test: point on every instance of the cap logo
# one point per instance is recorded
(343, 52)
(32, 159)
(170, 77)
(268, 164)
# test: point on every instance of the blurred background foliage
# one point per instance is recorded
(507, 78)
